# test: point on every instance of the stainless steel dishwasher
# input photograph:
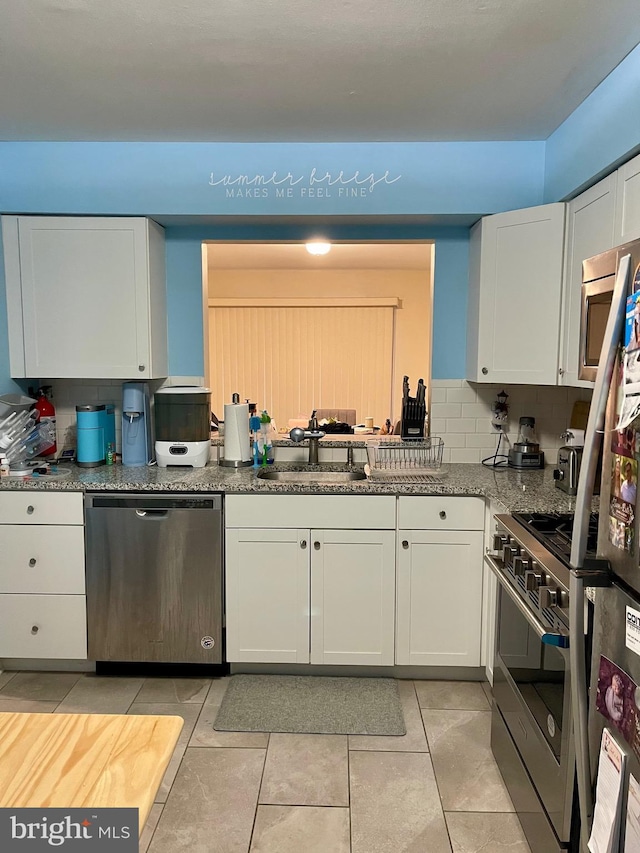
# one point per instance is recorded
(154, 578)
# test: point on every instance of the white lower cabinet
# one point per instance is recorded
(352, 596)
(42, 579)
(43, 626)
(439, 597)
(305, 595)
(267, 595)
(439, 581)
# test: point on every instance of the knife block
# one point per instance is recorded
(413, 419)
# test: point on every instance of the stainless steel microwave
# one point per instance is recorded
(598, 279)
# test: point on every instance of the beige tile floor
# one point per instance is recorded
(435, 790)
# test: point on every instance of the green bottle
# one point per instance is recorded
(265, 429)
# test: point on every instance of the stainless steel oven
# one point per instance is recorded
(531, 725)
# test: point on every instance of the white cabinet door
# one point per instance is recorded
(91, 293)
(627, 225)
(43, 626)
(267, 595)
(590, 230)
(514, 296)
(352, 597)
(42, 559)
(439, 612)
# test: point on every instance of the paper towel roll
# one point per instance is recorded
(236, 432)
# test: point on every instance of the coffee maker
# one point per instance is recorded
(137, 444)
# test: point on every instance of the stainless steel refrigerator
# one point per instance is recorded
(606, 668)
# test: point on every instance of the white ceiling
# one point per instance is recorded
(413, 256)
(303, 70)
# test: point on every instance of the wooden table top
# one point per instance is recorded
(75, 760)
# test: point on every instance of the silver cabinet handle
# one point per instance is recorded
(141, 368)
(303, 544)
(34, 629)
(405, 544)
(485, 370)
(443, 514)
(32, 562)
(30, 510)
(316, 545)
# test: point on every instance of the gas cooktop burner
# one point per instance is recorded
(554, 531)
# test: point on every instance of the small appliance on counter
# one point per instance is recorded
(183, 425)
(90, 435)
(569, 460)
(526, 453)
(137, 444)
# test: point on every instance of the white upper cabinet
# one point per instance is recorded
(86, 297)
(515, 285)
(590, 230)
(627, 222)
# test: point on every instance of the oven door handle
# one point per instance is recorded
(547, 637)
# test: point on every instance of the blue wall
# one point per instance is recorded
(432, 180)
(160, 179)
(601, 133)
(184, 283)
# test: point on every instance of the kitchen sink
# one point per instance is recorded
(310, 476)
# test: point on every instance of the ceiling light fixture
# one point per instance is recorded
(317, 247)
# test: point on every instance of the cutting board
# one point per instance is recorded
(579, 415)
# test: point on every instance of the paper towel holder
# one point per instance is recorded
(234, 463)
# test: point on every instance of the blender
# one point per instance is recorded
(526, 452)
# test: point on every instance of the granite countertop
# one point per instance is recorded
(514, 491)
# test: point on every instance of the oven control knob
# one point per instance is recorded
(509, 552)
(532, 579)
(548, 596)
(520, 564)
(499, 541)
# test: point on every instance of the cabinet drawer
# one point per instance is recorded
(334, 511)
(31, 507)
(46, 559)
(43, 626)
(441, 513)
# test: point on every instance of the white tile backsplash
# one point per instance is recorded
(461, 411)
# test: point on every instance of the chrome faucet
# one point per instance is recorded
(314, 435)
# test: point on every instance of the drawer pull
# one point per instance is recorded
(405, 544)
(443, 514)
(316, 545)
(30, 510)
(34, 629)
(303, 544)
(32, 562)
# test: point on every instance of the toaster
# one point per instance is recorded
(566, 474)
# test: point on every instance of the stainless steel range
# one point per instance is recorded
(531, 733)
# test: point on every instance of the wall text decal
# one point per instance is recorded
(313, 184)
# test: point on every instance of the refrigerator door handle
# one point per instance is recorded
(595, 422)
(593, 437)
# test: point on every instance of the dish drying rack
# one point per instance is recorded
(21, 438)
(417, 461)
